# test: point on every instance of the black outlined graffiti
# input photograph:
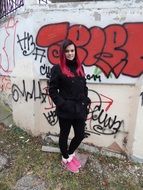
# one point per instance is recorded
(115, 49)
(39, 53)
(28, 47)
(51, 117)
(94, 77)
(9, 6)
(45, 71)
(26, 43)
(17, 92)
(99, 121)
(105, 124)
(50, 109)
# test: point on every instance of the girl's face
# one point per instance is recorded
(70, 52)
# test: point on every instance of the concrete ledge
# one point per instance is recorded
(136, 159)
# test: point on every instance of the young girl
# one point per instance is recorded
(68, 91)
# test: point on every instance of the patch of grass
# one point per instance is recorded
(4, 186)
(123, 183)
(26, 157)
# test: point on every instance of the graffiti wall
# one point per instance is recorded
(110, 54)
(109, 44)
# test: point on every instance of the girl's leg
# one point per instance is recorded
(79, 127)
(65, 126)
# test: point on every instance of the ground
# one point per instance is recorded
(24, 166)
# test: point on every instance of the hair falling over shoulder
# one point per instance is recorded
(65, 70)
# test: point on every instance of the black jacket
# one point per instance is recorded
(69, 94)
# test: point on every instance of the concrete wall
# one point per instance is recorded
(109, 39)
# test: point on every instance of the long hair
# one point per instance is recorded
(64, 68)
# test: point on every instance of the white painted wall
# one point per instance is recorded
(117, 40)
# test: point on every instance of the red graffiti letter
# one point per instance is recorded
(80, 35)
(53, 54)
(134, 47)
(113, 58)
(51, 34)
(95, 46)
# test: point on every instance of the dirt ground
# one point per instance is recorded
(22, 161)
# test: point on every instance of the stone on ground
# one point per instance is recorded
(3, 162)
(82, 158)
(30, 182)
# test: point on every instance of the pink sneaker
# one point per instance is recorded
(70, 166)
(76, 162)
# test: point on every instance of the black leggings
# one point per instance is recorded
(65, 126)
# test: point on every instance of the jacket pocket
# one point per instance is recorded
(81, 109)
